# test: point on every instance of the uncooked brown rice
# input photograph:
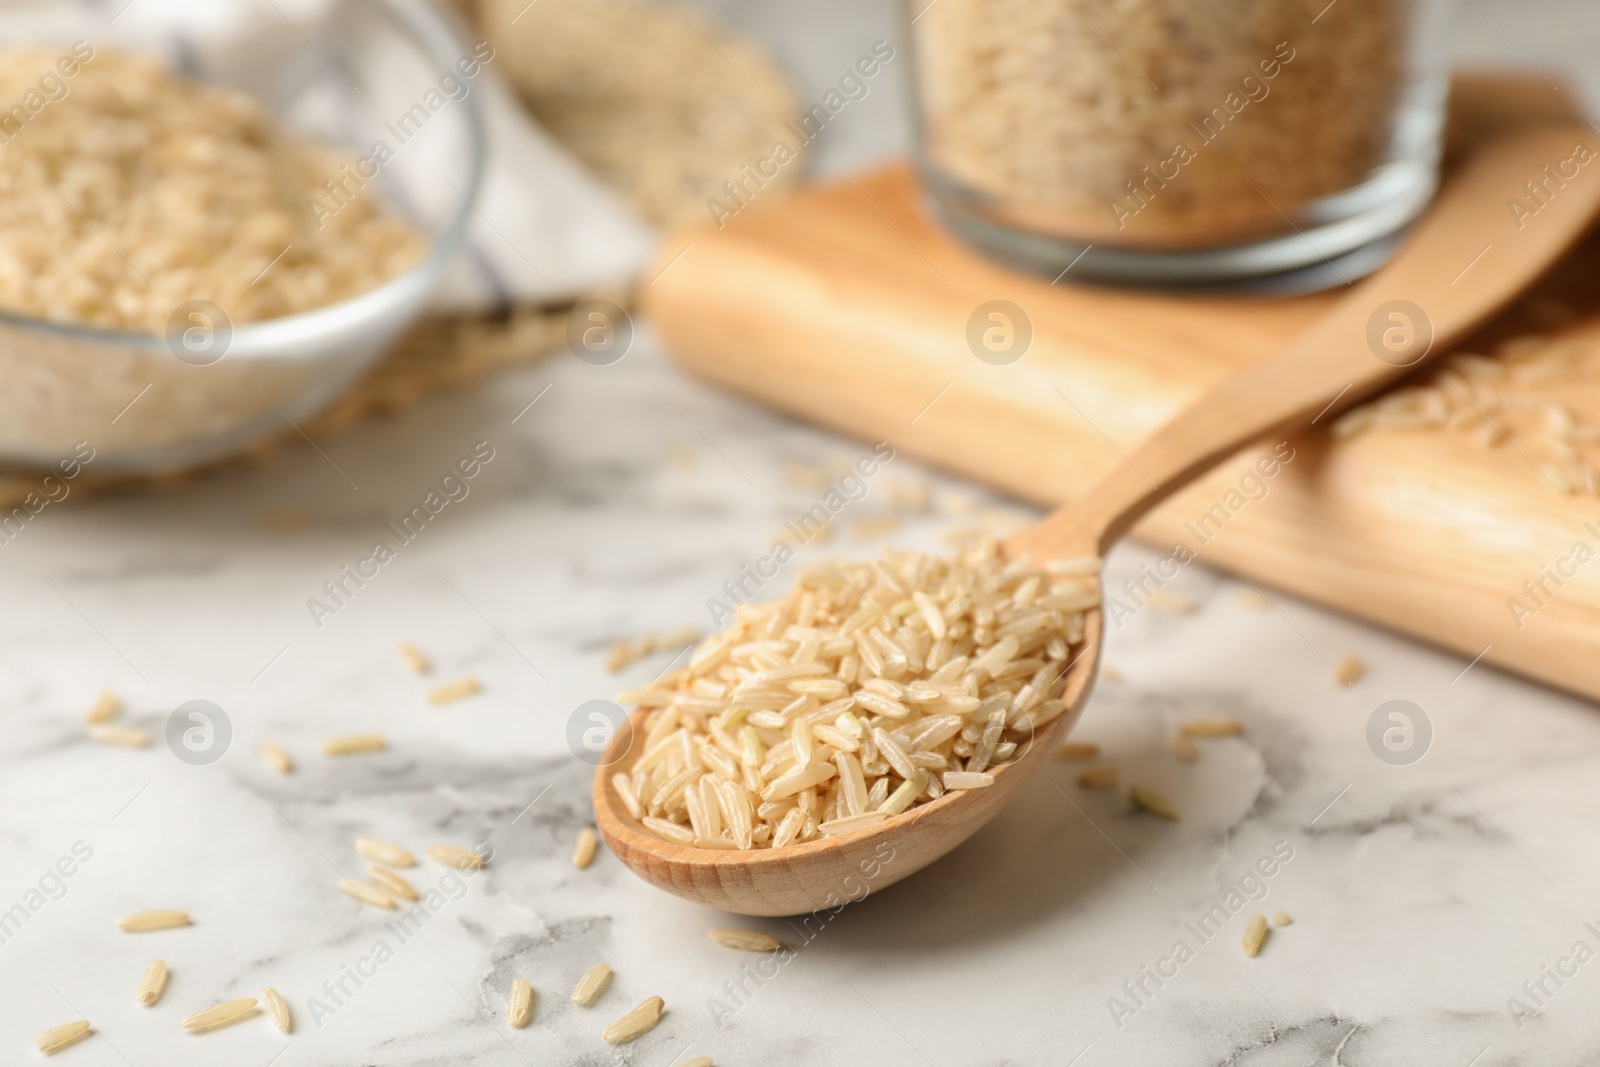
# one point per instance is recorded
(141, 190)
(747, 940)
(154, 919)
(640, 1020)
(219, 1015)
(152, 983)
(391, 883)
(583, 852)
(354, 744)
(414, 659)
(519, 1010)
(451, 692)
(1103, 777)
(105, 708)
(854, 695)
(57, 1038)
(592, 983)
(383, 852)
(1255, 932)
(451, 856)
(278, 1009)
(1154, 803)
(367, 893)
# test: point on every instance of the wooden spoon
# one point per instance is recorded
(1469, 257)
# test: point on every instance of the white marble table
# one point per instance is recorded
(1424, 895)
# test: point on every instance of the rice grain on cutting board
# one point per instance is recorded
(641, 1020)
(220, 1015)
(277, 758)
(377, 851)
(155, 919)
(1154, 803)
(890, 681)
(519, 1010)
(391, 883)
(460, 858)
(105, 708)
(583, 852)
(125, 736)
(152, 983)
(747, 940)
(414, 660)
(1255, 932)
(354, 744)
(592, 983)
(57, 1038)
(367, 893)
(278, 1009)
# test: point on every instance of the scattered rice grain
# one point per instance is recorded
(583, 852)
(367, 893)
(747, 940)
(125, 736)
(1255, 932)
(1281, 919)
(414, 659)
(641, 1020)
(219, 1015)
(383, 852)
(591, 985)
(1077, 751)
(1185, 748)
(278, 1009)
(354, 744)
(451, 692)
(1154, 803)
(1218, 727)
(460, 858)
(105, 708)
(1350, 669)
(57, 1038)
(391, 883)
(519, 1011)
(154, 919)
(277, 758)
(152, 983)
(1099, 777)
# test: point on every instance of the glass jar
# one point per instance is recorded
(1180, 141)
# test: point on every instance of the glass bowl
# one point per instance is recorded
(210, 388)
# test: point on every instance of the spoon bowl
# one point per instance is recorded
(1466, 260)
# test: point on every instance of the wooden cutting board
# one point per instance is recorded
(846, 305)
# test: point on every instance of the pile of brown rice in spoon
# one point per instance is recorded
(868, 688)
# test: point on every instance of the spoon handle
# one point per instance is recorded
(1469, 256)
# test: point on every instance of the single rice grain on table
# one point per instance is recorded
(124, 736)
(105, 708)
(354, 744)
(278, 1009)
(583, 852)
(1154, 803)
(452, 856)
(276, 758)
(1255, 932)
(57, 1038)
(383, 852)
(519, 1009)
(391, 883)
(1214, 727)
(367, 893)
(639, 1021)
(154, 919)
(152, 983)
(869, 688)
(451, 692)
(1077, 751)
(219, 1015)
(594, 980)
(414, 659)
(747, 940)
